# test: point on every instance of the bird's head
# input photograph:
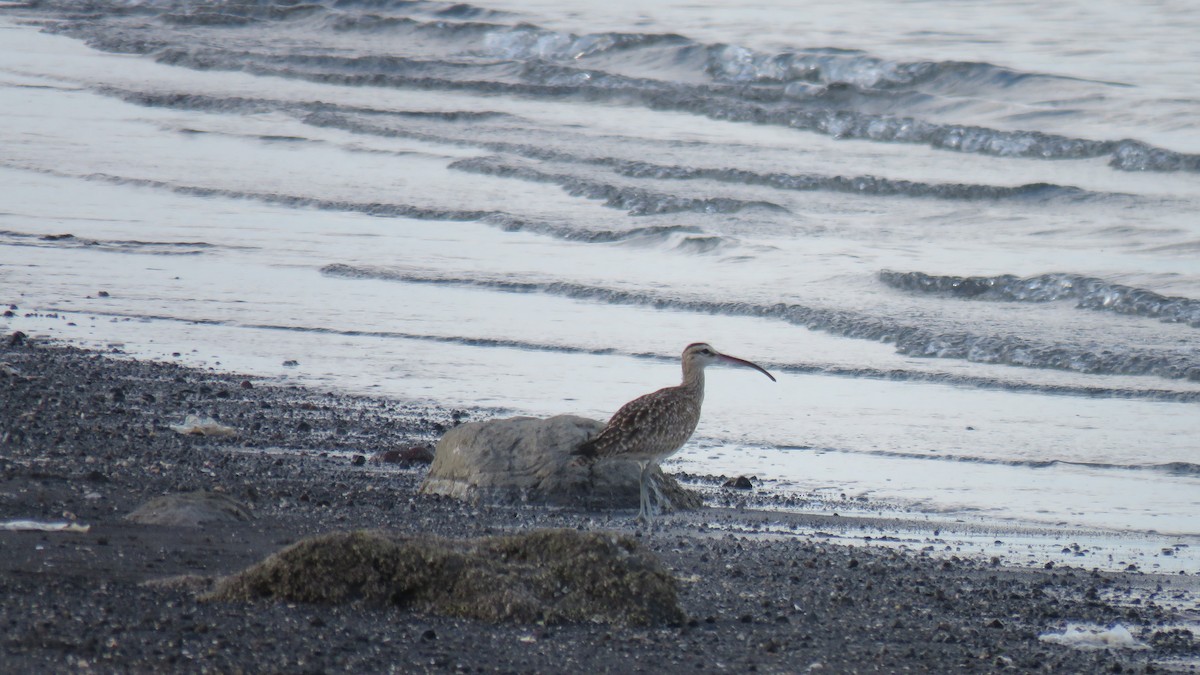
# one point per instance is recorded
(701, 354)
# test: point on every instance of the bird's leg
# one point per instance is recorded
(644, 510)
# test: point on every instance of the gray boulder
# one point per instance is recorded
(190, 509)
(528, 459)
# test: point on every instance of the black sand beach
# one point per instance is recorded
(85, 437)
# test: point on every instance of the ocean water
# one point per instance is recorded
(963, 236)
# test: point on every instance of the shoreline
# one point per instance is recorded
(87, 439)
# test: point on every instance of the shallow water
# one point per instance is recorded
(964, 238)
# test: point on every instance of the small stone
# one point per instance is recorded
(17, 339)
(291, 363)
(303, 426)
(103, 294)
(358, 460)
(429, 635)
(246, 384)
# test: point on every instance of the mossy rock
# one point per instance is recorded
(553, 576)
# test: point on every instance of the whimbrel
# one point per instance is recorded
(653, 427)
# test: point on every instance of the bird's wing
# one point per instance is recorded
(653, 425)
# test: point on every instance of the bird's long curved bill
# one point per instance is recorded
(743, 362)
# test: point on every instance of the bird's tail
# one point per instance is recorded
(586, 451)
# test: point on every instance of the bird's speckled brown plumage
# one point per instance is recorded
(650, 427)
(653, 427)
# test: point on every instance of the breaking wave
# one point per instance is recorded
(909, 339)
(349, 118)
(67, 240)
(841, 93)
(686, 238)
(1088, 292)
(636, 201)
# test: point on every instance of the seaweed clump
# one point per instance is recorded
(550, 576)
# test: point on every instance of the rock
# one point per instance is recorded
(419, 454)
(739, 483)
(551, 576)
(528, 459)
(190, 509)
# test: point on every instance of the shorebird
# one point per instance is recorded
(653, 427)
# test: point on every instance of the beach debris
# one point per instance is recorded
(194, 425)
(190, 509)
(42, 526)
(6, 370)
(1089, 637)
(550, 576)
(528, 459)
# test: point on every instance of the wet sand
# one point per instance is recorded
(85, 438)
